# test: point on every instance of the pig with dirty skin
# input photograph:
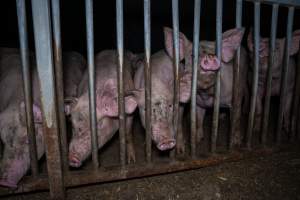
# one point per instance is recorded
(162, 93)
(107, 111)
(16, 159)
(276, 76)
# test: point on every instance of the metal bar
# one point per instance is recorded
(215, 125)
(269, 75)
(147, 34)
(175, 17)
(255, 73)
(285, 72)
(196, 37)
(76, 178)
(59, 81)
(235, 127)
(295, 3)
(44, 58)
(22, 25)
(91, 67)
(296, 108)
(120, 50)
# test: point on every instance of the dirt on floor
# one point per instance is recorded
(276, 176)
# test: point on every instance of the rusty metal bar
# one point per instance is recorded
(77, 178)
(255, 73)
(22, 25)
(196, 37)
(59, 81)
(44, 58)
(175, 19)
(120, 50)
(269, 75)
(91, 67)
(147, 34)
(295, 3)
(215, 125)
(235, 132)
(285, 72)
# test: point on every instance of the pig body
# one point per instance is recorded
(276, 76)
(107, 108)
(16, 159)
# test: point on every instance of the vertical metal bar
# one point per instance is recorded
(255, 72)
(296, 106)
(59, 81)
(269, 75)
(120, 50)
(147, 35)
(175, 17)
(215, 125)
(22, 25)
(196, 37)
(285, 72)
(91, 67)
(235, 137)
(44, 57)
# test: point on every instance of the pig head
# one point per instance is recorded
(107, 109)
(13, 131)
(162, 90)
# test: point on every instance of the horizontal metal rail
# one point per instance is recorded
(102, 175)
(295, 3)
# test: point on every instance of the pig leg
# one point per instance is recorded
(258, 114)
(180, 147)
(200, 119)
(129, 140)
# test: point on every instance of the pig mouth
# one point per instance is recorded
(166, 145)
(8, 184)
(74, 161)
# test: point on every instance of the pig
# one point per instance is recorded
(208, 67)
(276, 75)
(106, 108)
(16, 159)
(162, 92)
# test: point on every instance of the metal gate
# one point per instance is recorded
(46, 21)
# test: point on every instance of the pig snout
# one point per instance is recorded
(163, 137)
(8, 183)
(74, 160)
(210, 63)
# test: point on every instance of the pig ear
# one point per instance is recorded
(231, 41)
(37, 114)
(295, 42)
(185, 87)
(184, 44)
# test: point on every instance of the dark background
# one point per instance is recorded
(73, 22)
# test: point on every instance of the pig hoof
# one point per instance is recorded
(5, 183)
(74, 161)
(130, 154)
(166, 145)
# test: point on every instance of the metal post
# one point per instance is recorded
(285, 72)
(197, 14)
(22, 25)
(269, 75)
(44, 57)
(91, 68)
(215, 125)
(147, 70)
(120, 49)
(175, 17)
(59, 81)
(235, 128)
(255, 73)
